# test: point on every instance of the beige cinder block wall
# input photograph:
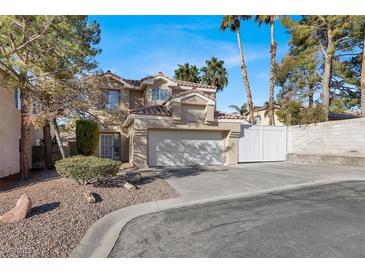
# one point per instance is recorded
(139, 137)
(345, 137)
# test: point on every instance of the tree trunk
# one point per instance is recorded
(310, 95)
(47, 146)
(272, 77)
(24, 134)
(327, 72)
(363, 82)
(58, 137)
(245, 78)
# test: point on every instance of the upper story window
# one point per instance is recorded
(113, 100)
(109, 100)
(160, 94)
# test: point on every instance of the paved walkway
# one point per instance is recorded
(210, 184)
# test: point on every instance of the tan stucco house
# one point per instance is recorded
(170, 123)
(261, 116)
(10, 129)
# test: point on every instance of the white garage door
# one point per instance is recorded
(182, 148)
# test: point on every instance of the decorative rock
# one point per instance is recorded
(19, 212)
(89, 196)
(129, 186)
(134, 177)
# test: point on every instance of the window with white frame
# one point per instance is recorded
(159, 94)
(113, 100)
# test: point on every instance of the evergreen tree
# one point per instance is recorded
(36, 50)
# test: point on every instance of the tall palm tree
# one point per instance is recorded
(233, 23)
(215, 73)
(187, 72)
(270, 19)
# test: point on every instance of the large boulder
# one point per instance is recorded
(134, 177)
(19, 212)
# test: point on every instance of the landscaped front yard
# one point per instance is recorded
(60, 215)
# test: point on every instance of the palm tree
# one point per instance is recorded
(233, 22)
(270, 19)
(187, 72)
(240, 109)
(215, 73)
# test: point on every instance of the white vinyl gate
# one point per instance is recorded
(262, 143)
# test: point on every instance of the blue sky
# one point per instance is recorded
(136, 46)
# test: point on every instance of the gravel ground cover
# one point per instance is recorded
(60, 214)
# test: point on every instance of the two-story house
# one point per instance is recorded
(170, 123)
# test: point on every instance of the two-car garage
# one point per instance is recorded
(185, 147)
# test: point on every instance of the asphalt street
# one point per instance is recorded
(321, 221)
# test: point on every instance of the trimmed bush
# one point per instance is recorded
(87, 137)
(86, 169)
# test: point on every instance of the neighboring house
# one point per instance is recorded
(10, 129)
(261, 115)
(170, 123)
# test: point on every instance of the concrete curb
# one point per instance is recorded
(100, 238)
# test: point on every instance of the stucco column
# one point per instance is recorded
(231, 148)
(140, 149)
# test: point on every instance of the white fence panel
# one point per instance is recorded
(262, 143)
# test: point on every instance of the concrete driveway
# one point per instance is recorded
(318, 221)
(200, 183)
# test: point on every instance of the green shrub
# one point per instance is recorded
(87, 137)
(86, 169)
(313, 115)
(289, 113)
(292, 113)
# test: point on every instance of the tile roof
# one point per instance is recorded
(135, 83)
(153, 110)
(222, 115)
(162, 110)
(191, 84)
(178, 82)
(68, 136)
